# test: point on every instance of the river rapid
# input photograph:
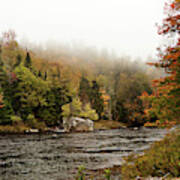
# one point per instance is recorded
(49, 157)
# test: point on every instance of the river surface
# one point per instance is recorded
(48, 157)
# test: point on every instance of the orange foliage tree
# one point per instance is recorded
(164, 104)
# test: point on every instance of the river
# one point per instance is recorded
(48, 157)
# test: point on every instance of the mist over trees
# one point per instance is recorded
(36, 83)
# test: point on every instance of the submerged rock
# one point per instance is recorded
(78, 124)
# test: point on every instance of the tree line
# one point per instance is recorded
(38, 90)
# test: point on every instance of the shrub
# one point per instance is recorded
(81, 175)
(31, 120)
(89, 113)
(107, 174)
(75, 109)
(16, 120)
(161, 159)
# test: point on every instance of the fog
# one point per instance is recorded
(120, 27)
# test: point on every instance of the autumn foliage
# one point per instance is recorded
(164, 103)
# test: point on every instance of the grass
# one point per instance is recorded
(108, 124)
(13, 129)
(21, 127)
(162, 159)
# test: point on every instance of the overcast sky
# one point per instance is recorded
(125, 26)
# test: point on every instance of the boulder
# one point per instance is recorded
(77, 124)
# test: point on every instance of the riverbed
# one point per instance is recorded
(57, 157)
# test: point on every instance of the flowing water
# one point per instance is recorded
(47, 157)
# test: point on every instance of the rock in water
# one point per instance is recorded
(78, 124)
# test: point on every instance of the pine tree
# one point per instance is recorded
(45, 75)
(96, 99)
(39, 74)
(6, 111)
(55, 97)
(28, 61)
(84, 90)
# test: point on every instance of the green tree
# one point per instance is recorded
(96, 99)
(56, 97)
(88, 112)
(84, 90)
(45, 76)
(126, 106)
(5, 111)
(75, 109)
(39, 74)
(30, 91)
(28, 61)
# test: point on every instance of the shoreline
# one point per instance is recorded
(98, 126)
(22, 129)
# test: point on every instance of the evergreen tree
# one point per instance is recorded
(6, 111)
(39, 74)
(96, 100)
(28, 61)
(84, 90)
(45, 75)
(29, 93)
(56, 97)
(118, 111)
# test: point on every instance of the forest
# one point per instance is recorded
(137, 101)
(38, 85)
(42, 84)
